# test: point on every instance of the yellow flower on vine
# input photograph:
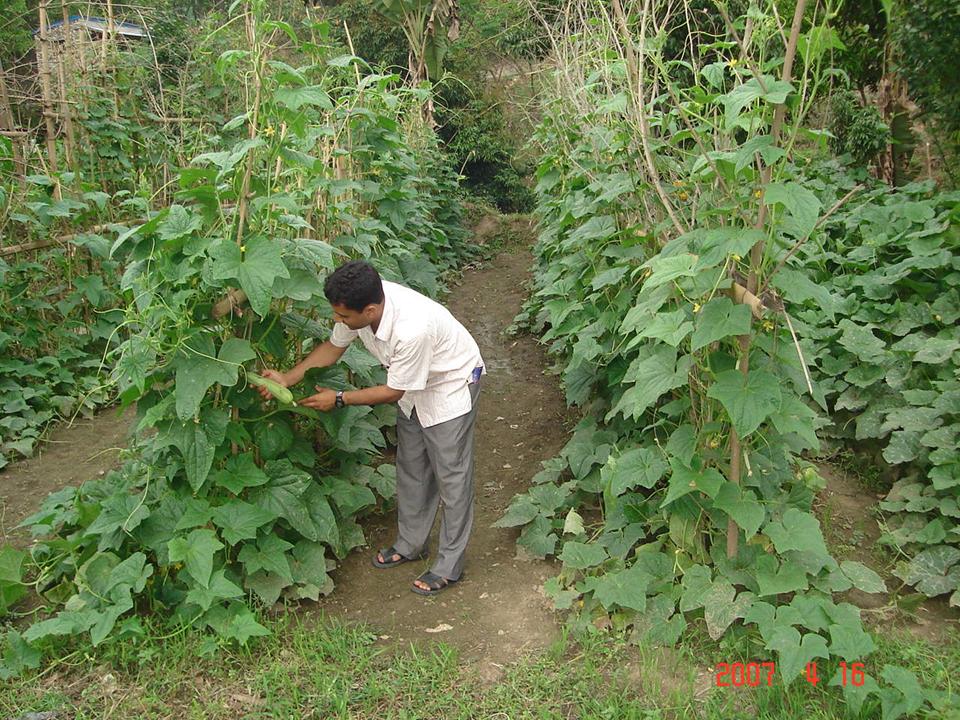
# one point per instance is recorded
(269, 131)
(758, 193)
(733, 62)
(696, 308)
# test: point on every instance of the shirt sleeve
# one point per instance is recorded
(342, 336)
(410, 364)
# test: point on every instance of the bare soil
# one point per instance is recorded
(497, 611)
(851, 525)
(72, 455)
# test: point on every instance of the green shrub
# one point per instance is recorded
(858, 131)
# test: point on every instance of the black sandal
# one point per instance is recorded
(436, 583)
(387, 555)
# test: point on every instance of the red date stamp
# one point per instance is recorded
(754, 674)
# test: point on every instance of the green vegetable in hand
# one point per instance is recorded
(281, 393)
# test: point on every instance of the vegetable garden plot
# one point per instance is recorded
(674, 193)
(226, 497)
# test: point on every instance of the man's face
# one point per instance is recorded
(353, 319)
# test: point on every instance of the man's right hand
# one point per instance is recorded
(274, 375)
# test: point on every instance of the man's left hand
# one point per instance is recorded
(325, 400)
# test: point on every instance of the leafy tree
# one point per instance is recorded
(927, 34)
(15, 24)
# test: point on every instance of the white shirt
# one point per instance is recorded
(427, 353)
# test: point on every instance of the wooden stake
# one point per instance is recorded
(43, 61)
(756, 258)
(254, 119)
(69, 141)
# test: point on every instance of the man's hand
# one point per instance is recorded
(325, 400)
(278, 377)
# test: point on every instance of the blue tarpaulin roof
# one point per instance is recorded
(100, 25)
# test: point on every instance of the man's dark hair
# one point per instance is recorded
(355, 284)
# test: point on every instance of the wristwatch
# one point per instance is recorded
(340, 402)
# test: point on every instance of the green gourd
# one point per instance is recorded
(281, 393)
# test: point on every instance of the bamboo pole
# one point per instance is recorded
(49, 242)
(254, 119)
(43, 61)
(69, 140)
(756, 258)
(107, 36)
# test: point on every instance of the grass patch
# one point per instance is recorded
(314, 667)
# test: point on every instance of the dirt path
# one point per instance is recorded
(73, 454)
(497, 611)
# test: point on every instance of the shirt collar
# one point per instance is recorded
(385, 328)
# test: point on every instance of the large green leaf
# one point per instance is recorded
(748, 399)
(321, 514)
(934, 571)
(742, 506)
(775, 579)
(801, 204)
(243, 626)
(666, 269)
(196, 552)
(347, 496)
(219, 588)
(538, 538)
(240, 472)
(625, 588)
(850, 642)
(654, 373)
(800, 531)
(642, 467)
(296, 97)
(721, 608)
(521, 511)
(309, 565)
(793, 652)
(862, 577)
(197, 442)
(283, 496)
(860, 340)
(718, 319)
(11, 577)
(256, 268)
(670, 327)
(179, 221)
(684, 480)
(239, 520)
(796, 417)
(273, 437)
(581, 556)
(268, 554)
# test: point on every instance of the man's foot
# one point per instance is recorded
(430, 583)
(389, 557)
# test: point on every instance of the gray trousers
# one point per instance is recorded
(434, 464)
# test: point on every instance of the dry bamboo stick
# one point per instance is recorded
(45, 87)
(68, 138)
(67, 55)
(232, 301)
(48, 242)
